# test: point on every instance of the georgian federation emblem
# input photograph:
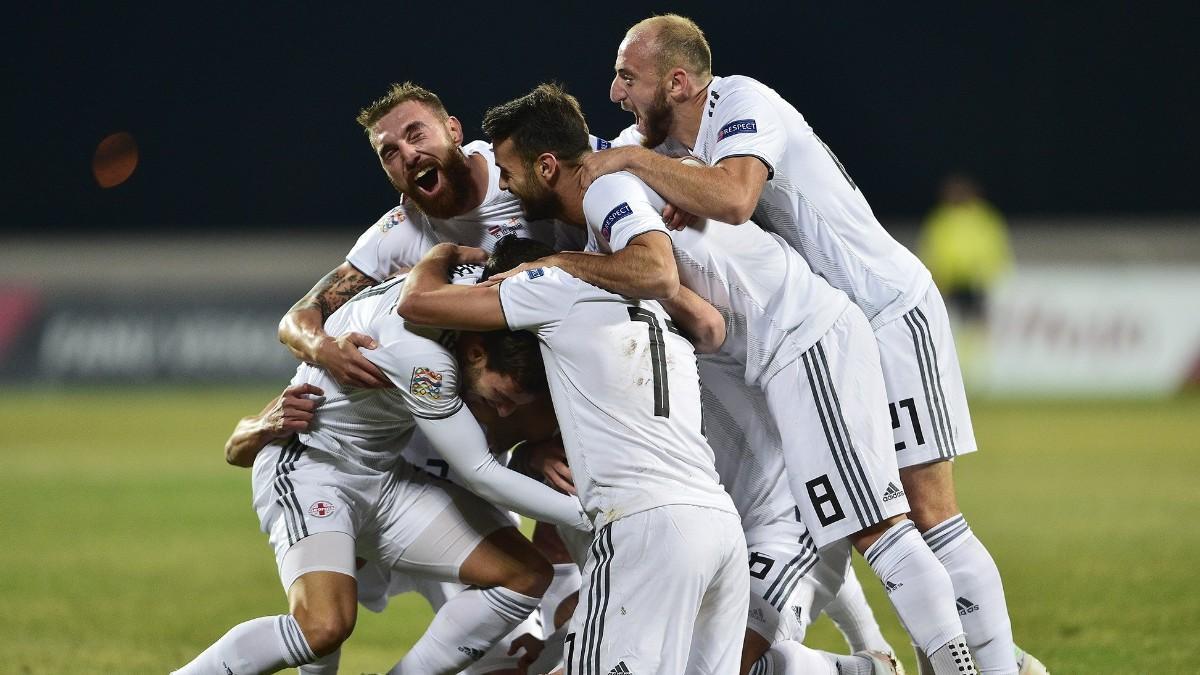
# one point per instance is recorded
(426, 383)
(321, 509)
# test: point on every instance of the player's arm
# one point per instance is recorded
(460, 441)
(429, 299)
(286, 414)
(699, 320)
(727, 192)
(302, 329)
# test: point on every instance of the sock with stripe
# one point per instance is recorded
(326, 665)
(263, 645)
(854, 618)
(917, 586)
(464, 629)
(979, 593)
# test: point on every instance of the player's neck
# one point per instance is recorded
(685, 127)
(571, 196)
(480, 179)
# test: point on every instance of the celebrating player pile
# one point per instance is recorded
(719, 495)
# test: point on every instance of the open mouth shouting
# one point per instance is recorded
(427, 180)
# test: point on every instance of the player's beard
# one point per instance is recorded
(657, 120)
(539, 202)
(451, 200)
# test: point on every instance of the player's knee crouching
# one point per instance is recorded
(532, 578)
(325, 632)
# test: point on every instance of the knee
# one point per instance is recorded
(532, 578)
(930, 492)
(325, 632)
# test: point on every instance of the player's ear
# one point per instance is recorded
(455, 129)
(476, 355)
(546, 166)
(677, 84)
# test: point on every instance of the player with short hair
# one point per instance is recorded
(798, 339)
(665, 576)
(761, 159)
(340, 490)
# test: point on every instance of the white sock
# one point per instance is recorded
(263, 645)
(917, 585)
(464, 629)
(979, 592)
(854, 618)
(565, 582)
(326, 665)
(953, 658)
(788, 657)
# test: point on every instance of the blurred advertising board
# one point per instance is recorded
(1090, 331)
(115, 339)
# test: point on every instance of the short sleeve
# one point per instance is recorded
(744, 124)
(394, 242)
(536, 300)
(619, 207)
(426, 378)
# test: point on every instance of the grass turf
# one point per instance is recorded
(129, 545)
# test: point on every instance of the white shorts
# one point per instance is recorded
(664, 591)
(405, 520)
(831, 411)
(926, 397)
(790, 581)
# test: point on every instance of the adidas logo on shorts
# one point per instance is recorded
(889, 586)
(757, 614)
(892, 492)
(799, 612)
(620, 669)
(965, 607)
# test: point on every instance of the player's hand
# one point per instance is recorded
(469, 255)
(677, 219)
(550, 459)
(603, 162)
(533, 649)
(341, 359)
(293, 410)
(501, 276)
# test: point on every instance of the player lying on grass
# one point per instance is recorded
(801, 341)
(626, 394)
(761, 158)
(341, 491)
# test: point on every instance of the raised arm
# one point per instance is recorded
(429, 299)
(302, 329)
(460, 441)
(727, 192)
(286, 414)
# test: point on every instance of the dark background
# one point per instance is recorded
(244, 115)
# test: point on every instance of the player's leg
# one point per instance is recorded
(721, 617)
(932, 425)
(842, 472)
(855, 619)
(457, 536)
(311, 527)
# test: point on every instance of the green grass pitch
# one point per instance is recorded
(128, 544)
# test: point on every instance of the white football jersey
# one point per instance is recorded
(809, 199)
(775, 308)
(626, 393)
(746, 443)
(370, 426)
(404, 234)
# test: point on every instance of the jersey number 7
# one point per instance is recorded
(658, 360)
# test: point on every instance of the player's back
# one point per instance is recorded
(370, 426)
(810, 199)
(626, 392)
(773, 304)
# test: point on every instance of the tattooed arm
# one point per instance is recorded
(302, 329)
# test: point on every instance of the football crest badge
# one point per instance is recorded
(426, 383)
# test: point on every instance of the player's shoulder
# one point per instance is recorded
(480, 147)
(617, 187)
(392, 217)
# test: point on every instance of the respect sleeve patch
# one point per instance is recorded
(613, 216)
(735, 127)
